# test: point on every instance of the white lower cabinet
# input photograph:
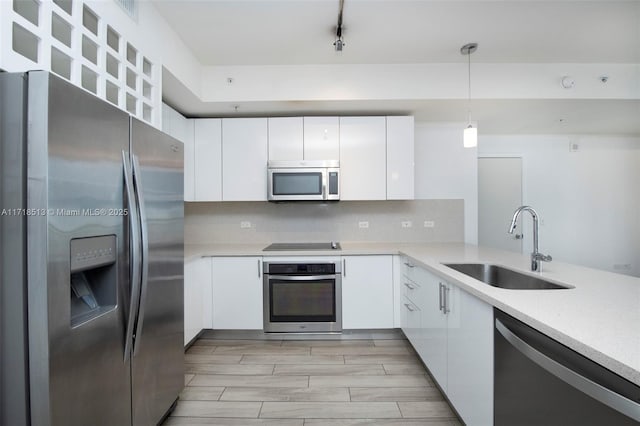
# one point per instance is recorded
(237, 292)
(454, 340)
(367, 292)
(470, 357)
(197, 297)
(433, 327)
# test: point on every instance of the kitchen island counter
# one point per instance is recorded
(599, 317)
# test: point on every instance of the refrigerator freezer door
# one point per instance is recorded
(14, 391)
(158, 359)
(78, 257)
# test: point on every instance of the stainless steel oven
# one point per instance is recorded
(302, 296)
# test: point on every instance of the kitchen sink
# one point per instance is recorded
(498, 276)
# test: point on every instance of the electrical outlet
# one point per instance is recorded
(406, 224)
(429, 224)
(363, 224)
(245, 224)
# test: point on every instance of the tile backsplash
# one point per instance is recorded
(379, 221)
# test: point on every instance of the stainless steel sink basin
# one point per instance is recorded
(498, 276)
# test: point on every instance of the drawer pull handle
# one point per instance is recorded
(409, 265)
(409, 307)
(409, 286)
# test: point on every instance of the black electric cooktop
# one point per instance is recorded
(302, 246)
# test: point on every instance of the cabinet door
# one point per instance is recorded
(411, 321)
(197, 297)
(208, 159)
(400, 158)
(237, 293)
(244, 159)
(189, 162)
(470, 357)
(321, 138)
(363, 160)
(367, 292)
(285, 138)
(433, 348)
(181, 128)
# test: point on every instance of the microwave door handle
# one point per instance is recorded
(325, 177)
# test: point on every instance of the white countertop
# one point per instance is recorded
(599, 318)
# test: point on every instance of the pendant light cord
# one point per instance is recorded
(469, 91)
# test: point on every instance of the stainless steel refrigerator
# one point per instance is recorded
(92, 259)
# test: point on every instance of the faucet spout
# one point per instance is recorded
(536, 256)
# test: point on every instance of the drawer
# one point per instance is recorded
(411, 290)
(408, 269)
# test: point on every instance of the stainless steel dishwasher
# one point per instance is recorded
(539, 381)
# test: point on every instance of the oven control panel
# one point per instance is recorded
(300, 268)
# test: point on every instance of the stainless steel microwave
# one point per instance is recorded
(303, 180)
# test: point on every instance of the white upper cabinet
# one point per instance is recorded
(400, 158)
(244, 159)
(308, 138)
(321, 138)
(363, 159)
(208, 159)
(181, 128)
(286, 138)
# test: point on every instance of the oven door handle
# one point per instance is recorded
(301, 277)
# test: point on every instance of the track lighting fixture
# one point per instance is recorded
(339, 43)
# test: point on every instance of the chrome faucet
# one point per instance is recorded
(536, 256)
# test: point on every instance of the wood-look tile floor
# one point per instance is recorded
(308, 382)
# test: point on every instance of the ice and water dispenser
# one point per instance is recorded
(94, 277)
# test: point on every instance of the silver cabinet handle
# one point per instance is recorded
(440, 298)
(144, 234)
(409, 265)
(134, 232)
(598, 392)
(409, 307)
(445, 304)
(259, 271)
(409, 286)
(344, 267)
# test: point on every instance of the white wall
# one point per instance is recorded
(588, 200)
(256, 83)
(447, 170)
(153, 37)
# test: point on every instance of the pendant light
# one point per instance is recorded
(470, 137)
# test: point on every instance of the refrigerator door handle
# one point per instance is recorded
(144, 234)
(134, 238)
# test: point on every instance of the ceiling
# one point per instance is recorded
(299, 32)
(281, 32)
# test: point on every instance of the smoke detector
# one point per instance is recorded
(567, 82)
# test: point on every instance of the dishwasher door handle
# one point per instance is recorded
(600, 393)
